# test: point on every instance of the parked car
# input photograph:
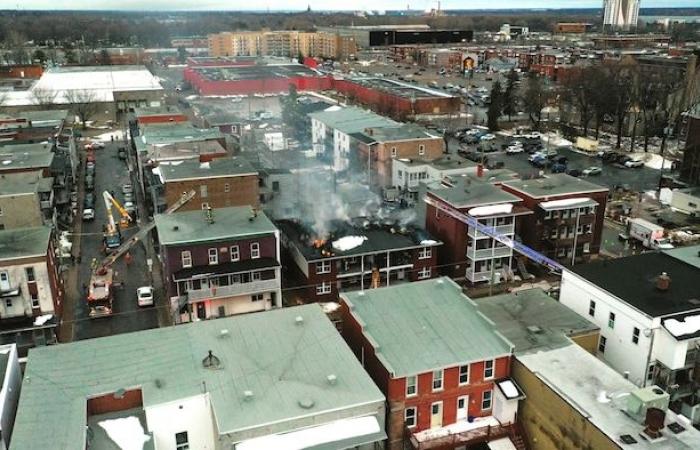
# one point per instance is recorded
(88, 214)
(130, 207)
(592, 171)
(90, 170)
(127, 188)
(95, 145)
(122, 153)
(512, 149)
(560, 159)
(144, 296)
(574, 172)
(558, 168)
(89, 200)
(634, 163)
(488, 137)
(129, 197)
(89, 182)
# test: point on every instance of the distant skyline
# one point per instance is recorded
(287, 5)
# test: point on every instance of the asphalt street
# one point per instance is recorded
(111, 173)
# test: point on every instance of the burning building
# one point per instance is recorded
(358, 254)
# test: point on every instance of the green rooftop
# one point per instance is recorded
(467, 192)
(283, 357)
(23, 183)
(425, 325)
(192, 226)
(553, 185)
(404, 132)
(193, 169)
(40, 118)
(24, 242)
(352, 120)
(690, 254)
(25, 156)
(532, 320)
(174, 133)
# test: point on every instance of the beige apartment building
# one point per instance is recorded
(282, 43)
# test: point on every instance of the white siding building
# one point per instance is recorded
(10, 382)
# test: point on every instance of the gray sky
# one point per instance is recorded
(302, 4)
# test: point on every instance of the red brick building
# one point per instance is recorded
(158, 114)
(567, 223)
(438, 361)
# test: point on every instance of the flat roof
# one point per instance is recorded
(298, 347)
(401, 133)
(633, 280)
(533, 320)
(145, 111)
(24, 242)
(400, 89)
(352, 120)
(25, 156)
(447, 162)
(254, 72)
(193, 170)
(47, 115)
(188, 227)
(554, 185)
(600, 395)
(468, 192)
(425, 325)
(689, 255)
(22, 183)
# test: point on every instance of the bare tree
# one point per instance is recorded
(83, 103)
(535, 99)
(3, 99)
(43, 96)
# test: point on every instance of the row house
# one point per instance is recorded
(26, 200)
(277, 379)
(442, 366)
(220, 262)
(567, 223)
(356, 256)
(219, 183)
(648, 310)
(407, 174)
(469, 253)
(31, 291)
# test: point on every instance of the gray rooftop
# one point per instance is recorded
(25, 156)
(582, 383)
(352, 120)
(532, 320)
(689, 255)
(554, 185)
(173, 133)
(24, 242)
(166, 364)
(192, 226)
(45, 117)
(22, 183)
(193, 169)
(425, 325)
(467, 192)
(401, 133)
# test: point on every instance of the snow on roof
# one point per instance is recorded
(502, 444)
(554, 204)
(689, 325)
(491, 210)
(460, 426)
(348, 242)
(509, 389)
(126, 432)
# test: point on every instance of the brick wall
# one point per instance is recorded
(242, 191)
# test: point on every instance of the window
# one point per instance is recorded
(8, 302)
(424, 273)
(186, 257)
(257, 276)
(227, 187)
(464, 374)
(30, 273)
(425, 253)
(635, 335)
(486, 400)
(235, 253)
(393, 151)
(601, 344)
(254, 250)
(35, 301)
(437, 380)
(488, 369)
(205, 205)
(611, 320)
(591, 308)
(182, 441)
(409, 416)
(650, 372)
(203, 191)
(421, 149)
(257, 297)
(323, 288)
(213, 256)
(411, 385)
(323, 267)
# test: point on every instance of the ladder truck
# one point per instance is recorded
(101, 288)
(126, 218)
(491, 232)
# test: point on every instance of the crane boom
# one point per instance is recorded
(123, 212)
(491, 232)
(143, 232)
(112, 226)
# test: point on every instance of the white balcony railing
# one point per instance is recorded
(254, 287)
(488, 253)
(501, 229)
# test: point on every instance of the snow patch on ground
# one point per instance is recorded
(654, 161)
(505, 208)
(107, 137)
(126, 432)
(348, 243)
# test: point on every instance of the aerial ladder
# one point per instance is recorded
(100, 293)
(126, 218)
(491, 232)
(111, 235)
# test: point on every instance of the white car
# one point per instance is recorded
(130, 207)
(592, 171)
(488, 137)
(634, 163)
(515, 149)
(88, 214)
(144, 296)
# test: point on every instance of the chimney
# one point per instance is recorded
(654, 422)
(663, 282)
(479, 170)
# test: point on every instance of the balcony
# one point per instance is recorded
(461, 433)
(488, 253)
(233, 290)
(501, 229)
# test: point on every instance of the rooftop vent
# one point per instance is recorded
(247, 395)
(306, 403)
(332, 379)
(211, 361)
(210, 215)
(299, 320)
(534, 329)
(176, 228)
(159, 383)
(223, 333)
(663, 282)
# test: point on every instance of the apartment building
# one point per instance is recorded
(200, 386)
(409, 173)
(353, 256)
(30, 288)
(441, 364)
(220, 262)
(647, 308)
(282, 43)
(469, 253)
(567, 223)
(219, 183)
(26, 200)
